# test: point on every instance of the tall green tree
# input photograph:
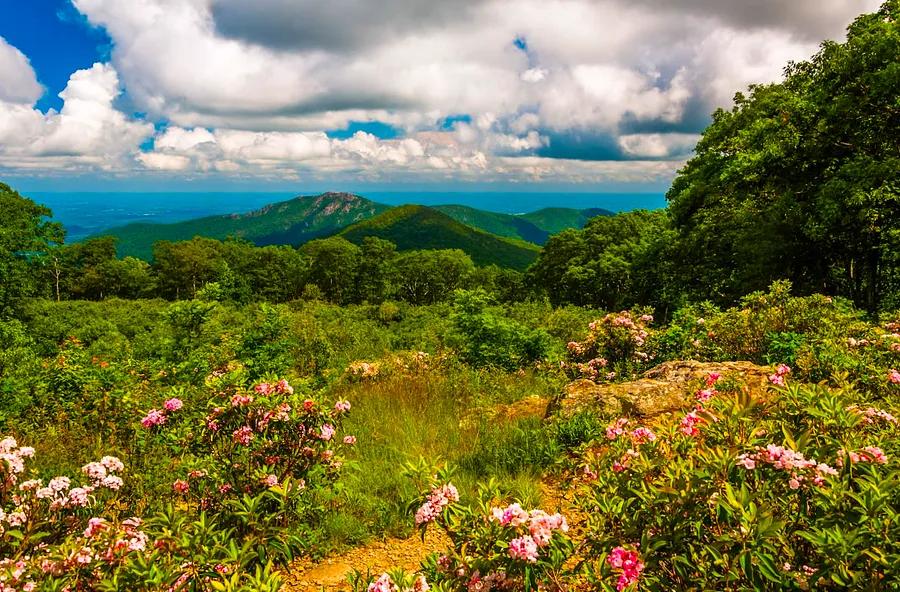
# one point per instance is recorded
(26, 236)
(801, 179)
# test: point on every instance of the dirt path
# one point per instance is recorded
(331, 574)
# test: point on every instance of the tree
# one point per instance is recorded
(183, 268)
(601, 265)
(26, 236)
(373, 281)
(429, 276)
(333, 265)
(800, 179)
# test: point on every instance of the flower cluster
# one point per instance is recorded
(157, 417)
(616, 344)
(781, 371)
(439, 498)
(689, 424)
(893, 376)
(627, 564)
(541, 527)
(870, 454)
(872, 415)
(794, 463)
(386, 584)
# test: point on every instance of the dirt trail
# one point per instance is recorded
(330, 575)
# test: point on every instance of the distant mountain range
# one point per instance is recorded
(510, 240)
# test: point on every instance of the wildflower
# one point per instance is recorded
(153, 418)
(96, 471)
(327, 431)
(243, 435)
(264, 388)
(112, 463)
(421, 585)
(616, 429)
(705, 395)
(894, 376)
(629, 565)
(689, 424)
(438, 499)
(78, 497)
(342, 406)
(523, 548)
(712, 378)
(111, 482)
(642, 435)
(241, 400)
(512, 515)
(284, 388)
(382, 584)
(181, 486)
(270, 480)
(94, 526)
(59, 483)
(350, 440)
(173, 404)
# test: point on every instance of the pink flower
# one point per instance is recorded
(712, 378)
(689, 424)
(629, 565)
(173, 404)
(241, 400)
(382, 584)
(342, 406)
(513, 515)
(243, 435)
(438, 499)
(894, 376)
(642, 435)
(270, 480)
(616, 429)
(783, 370)
(181, 486)
(327, 431)
(776, 379)
(154, 417)
(705, 395)
(264, 388)
(94, 526)
(284, 388)
(523, 548)
(747, 462)
(350, 440)
(112, 463)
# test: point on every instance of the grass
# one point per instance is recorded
(400, 420)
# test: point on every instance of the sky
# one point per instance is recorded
(582, 95)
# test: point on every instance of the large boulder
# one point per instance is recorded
(666, 388)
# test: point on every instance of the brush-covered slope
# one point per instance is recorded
(535, 227)
(421, 227)
(291, 222)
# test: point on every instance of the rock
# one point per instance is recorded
(665, 388)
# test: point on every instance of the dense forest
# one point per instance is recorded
(700, 397)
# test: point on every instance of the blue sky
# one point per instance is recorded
(583, 95)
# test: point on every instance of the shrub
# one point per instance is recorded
(795, 490)
(485, 339)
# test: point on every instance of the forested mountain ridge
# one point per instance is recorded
(304, 218)
(292, 222)
(420, 227)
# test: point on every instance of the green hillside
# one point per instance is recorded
(535, 227)
(421, 227)
(291, 222)
(554, 220)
